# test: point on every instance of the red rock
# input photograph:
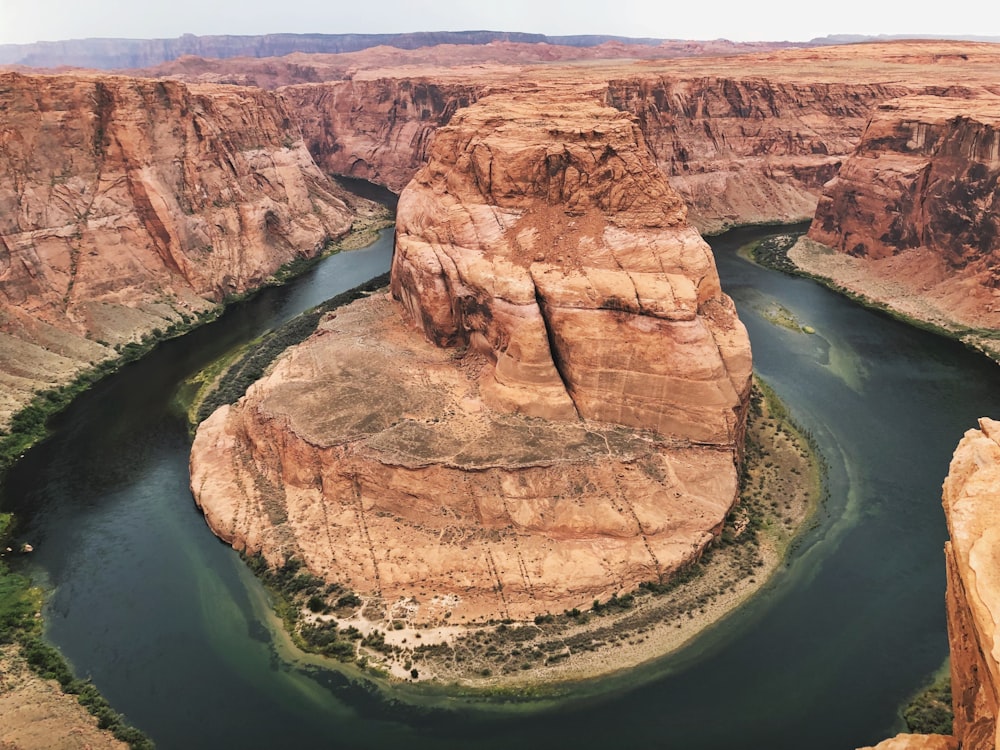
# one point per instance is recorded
(125, 203)
(564, 423)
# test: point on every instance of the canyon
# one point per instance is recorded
(911, 215)
(526, 191)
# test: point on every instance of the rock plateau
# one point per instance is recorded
(549, 408)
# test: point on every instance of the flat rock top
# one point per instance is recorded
(368, 378)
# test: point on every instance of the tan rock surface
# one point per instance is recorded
(916, 742)
(562, 425)
(971, 500)
(126, 203)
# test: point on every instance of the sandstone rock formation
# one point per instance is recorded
(916, 742)
(548, 410)
(379, 130)
(914, 211)
(971, 501)
(747, 149)
(126, 204)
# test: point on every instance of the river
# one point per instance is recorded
(176, 633)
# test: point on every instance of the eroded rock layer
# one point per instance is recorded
(749, 149)
(915, 209)
(127, 203)
(547, 239)
(546, 410)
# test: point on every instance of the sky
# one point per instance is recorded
(23, 21)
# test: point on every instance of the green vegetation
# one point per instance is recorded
(772, 252)
(20, 605)
(930, 710)
(291, 589)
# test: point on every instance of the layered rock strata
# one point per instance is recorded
(379, 130)
(912, 215)
(971, 502)
(747, 149)
(547, 410)
(127, 204)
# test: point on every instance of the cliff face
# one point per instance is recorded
(971, 502)
(916, 207)
(924, 175)
(547, 411)
(737, 150)
(748, 150)
(379, 130)
(554, 246)
(127, 203)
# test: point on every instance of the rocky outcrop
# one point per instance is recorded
(914, 211)
(971, 500)
(548, 410)
(916, 742)
(128, 204)
(552, 245)
(924, 175)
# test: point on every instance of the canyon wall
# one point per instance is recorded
(129, 204)
(912, 214)
(737, 150)
(549, 409)
(748, 150)
(380, 129)
(971, 499)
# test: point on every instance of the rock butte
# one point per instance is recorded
(547, 411)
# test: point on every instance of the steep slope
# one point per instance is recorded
(548, 411)
(912, 214)
(129, 204)
(971, 499)
(749, 149)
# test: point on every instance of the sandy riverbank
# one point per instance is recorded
(35, 713)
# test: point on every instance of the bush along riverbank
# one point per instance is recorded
(22, 645)
(781, 487)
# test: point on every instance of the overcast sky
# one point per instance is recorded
(744, 20)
